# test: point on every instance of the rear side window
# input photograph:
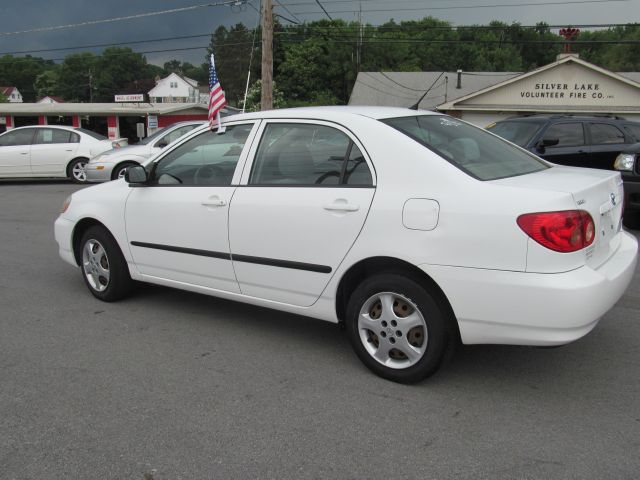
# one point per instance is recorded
(568, 134)
(306, 154)
(471, 149)
(52, 135)
(176, 134)
(603, 133)
(17, 137)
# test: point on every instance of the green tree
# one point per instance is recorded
(254, 96)
(75, 76)
(21, 72)
(115, 69)
(47, 83)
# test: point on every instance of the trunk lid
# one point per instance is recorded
(599, 192)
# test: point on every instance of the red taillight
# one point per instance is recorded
(566, 231)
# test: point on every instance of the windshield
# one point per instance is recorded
(469, 148)
(151, 138)
(519, 133)
(95, 135)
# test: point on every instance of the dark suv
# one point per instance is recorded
(580, 141)
(577, 141)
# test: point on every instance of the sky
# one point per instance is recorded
(34, 14)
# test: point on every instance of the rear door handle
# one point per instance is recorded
(24, 153)
(341, 207)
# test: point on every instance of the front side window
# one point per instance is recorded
(206, 160)
(471, 149)
(603, 133)
(17, 137)
(634, 130)
(305, 154)
(52, 135)
(568, 134)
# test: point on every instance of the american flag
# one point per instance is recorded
(216, 95)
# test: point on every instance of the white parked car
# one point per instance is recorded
(51, 151)
(412, 229)
(112, 164)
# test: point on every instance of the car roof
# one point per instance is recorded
(62, 127)
(330, 113)
(560, 117)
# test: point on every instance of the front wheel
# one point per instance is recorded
(118, 172)
(104, 268)
(77, 170)
(398, 329)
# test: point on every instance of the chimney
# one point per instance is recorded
(459, 84)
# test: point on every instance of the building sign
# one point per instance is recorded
(584, 91)
(568, 86)
(138, 97)
(3, 120)
(152, 121)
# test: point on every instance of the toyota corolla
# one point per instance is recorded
(414, 230)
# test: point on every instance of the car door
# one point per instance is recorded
(15, 152)
(177, 224)
(607, 141)
(571, 148)
(300, 207)
(52, 150)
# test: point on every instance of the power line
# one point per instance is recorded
(128, 17)
(458, 7)
(298, 21)
(324, 9)
(392, 80)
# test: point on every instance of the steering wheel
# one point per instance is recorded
(205, 174)
(324, 176)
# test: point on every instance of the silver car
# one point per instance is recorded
(112, 164)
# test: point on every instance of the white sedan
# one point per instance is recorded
(111, 165)
(51, 151)
(414, 230)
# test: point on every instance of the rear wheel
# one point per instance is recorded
(77, 172)
(398, 328)
(104, 268)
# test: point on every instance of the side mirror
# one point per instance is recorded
(136, 175)
(546, 142)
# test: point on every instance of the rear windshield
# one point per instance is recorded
(95, 135)
(519, 133)
(469, 148)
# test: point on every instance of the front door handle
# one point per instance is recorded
(341, 207)
(214, 201)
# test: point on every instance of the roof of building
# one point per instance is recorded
(52, 97)
(7, 90)
(404, 89)
(100, 108)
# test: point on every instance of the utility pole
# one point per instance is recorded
(267, 55)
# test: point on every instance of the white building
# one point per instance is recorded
(49, 99)
(175, 89)
(569, 85)
(12, 94)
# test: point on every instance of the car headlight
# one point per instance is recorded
(66, 204)
(625, 161)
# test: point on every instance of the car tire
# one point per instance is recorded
(118, 172)
(104, 268)
(76, 170)
(398, 328)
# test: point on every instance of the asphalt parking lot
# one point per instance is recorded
(175, 385)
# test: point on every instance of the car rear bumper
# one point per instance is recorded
(98, 172)
(63, 231)
(502, 307)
